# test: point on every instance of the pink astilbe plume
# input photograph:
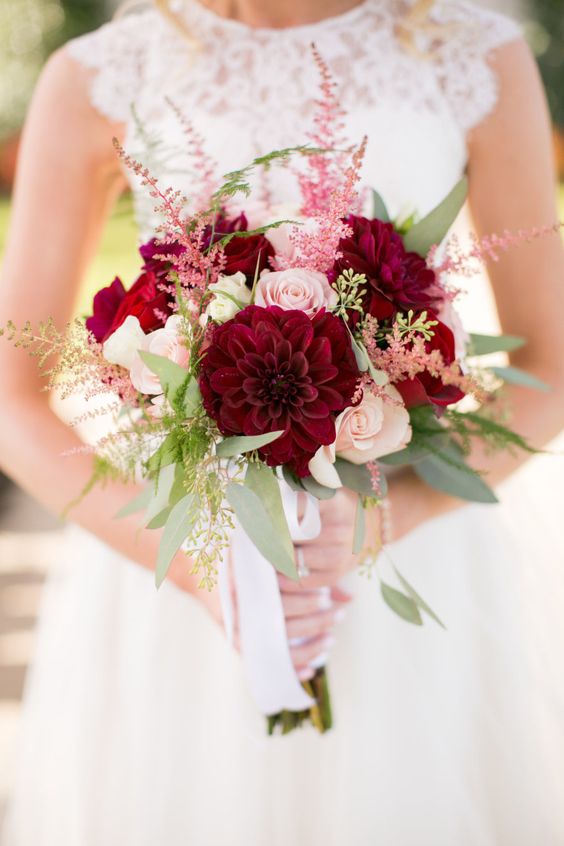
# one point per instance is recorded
(318, 247)
(470, 260)
(405, 357)
(325, 172)
(196, 267)
(206, 168)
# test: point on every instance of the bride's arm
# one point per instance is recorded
(67, 180)
(511, 174)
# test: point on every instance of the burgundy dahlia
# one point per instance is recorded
(269, 369)
(425, 388)
(397, 280)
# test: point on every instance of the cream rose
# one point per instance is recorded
(167, 342)
(122, 345)
(373, 428)
(304, 290)
(231, 294)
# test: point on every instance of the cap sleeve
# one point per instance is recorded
(118, 53)
(470, 36)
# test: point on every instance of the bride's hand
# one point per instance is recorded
(315, 604)
(329, 557)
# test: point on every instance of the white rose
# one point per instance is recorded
(122, 345)
(295, 288)
(231, 294)
(167, 342)
(373, 428)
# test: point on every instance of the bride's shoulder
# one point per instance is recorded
(462, 39)
(469, 24)
(119, 56)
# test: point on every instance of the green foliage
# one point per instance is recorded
(432, 229)
(415, 325)
(486, 344)
(515, 376)
(263, 482)
(379, 210)
(402, 605)
(180, 521)
(238, 444)
(259, 526)
(350, 293)
(356, 477)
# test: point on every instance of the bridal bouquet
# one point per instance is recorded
(256, 358)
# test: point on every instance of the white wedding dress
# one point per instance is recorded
(139, 729)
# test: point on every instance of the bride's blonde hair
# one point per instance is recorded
(415, 20)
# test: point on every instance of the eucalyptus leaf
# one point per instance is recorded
(292, 481)
(256, 522)
(167, 453)
(261, 480)
(172, 377)
(139, 503)
(176, 530)
(359, 527)
(486, 344)
(432, 229)
(245, 443)
(317, 490)
(356, 477)
(409, 455)
(459, 481)
(417, 599)
(160, 519)
(516, 376)
(401, 604)
(379, 210)
(360, 354)
(192, 398)
(161, 491)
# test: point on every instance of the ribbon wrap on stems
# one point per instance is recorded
(262, 628)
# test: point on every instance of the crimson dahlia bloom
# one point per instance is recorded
(269, 369)
(397, 280)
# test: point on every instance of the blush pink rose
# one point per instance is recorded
(365, 432)
(167, 342)
(295, 289)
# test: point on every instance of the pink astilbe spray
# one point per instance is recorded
(196, 266)
(318, 247)
(206, 167)
(325, 172)
(468, 261)
(405, 357)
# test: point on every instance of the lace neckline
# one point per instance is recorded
(202, 20)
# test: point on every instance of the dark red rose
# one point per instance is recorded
(152, 264)
(396, 279)
(105, 305)
(424, 388)
(144, 300)
(269, 369)
(248, 254)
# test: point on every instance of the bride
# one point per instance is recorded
(138, 726)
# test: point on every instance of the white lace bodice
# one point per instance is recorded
(252, 90)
